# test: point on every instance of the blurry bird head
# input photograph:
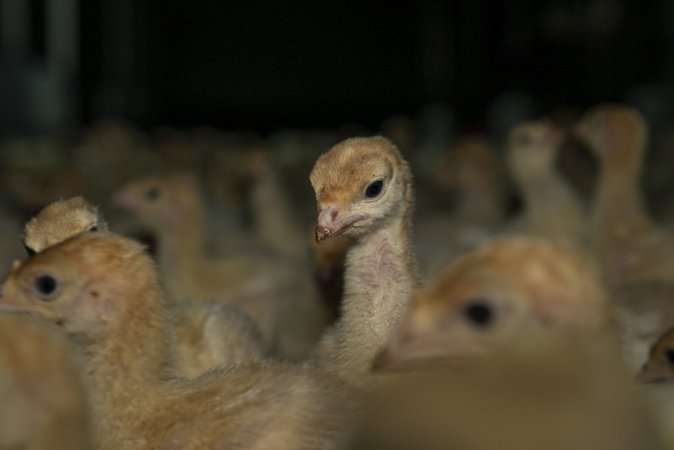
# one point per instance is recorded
(360, 184)
(80, 284)
(162, 202)
(615, 133)
(533, 149)
(508, 287)
(550, 389)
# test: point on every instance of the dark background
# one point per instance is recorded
(264, 65)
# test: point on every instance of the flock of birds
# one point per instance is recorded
(373, 327)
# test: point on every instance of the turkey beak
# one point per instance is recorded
(331, 224)
(415, 347)
(400, 353)
(7, 306)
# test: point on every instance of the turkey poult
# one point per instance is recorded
(280, 298)
(552, 209)
(103, 291)
(478, 302)
(629, 244)
(634, 251)
(364, 191)
(207, 334)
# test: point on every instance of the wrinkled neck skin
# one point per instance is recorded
(180, 251)
(379, 278)
(126, 371)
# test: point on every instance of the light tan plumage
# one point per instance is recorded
(364, 191)
(207, 334)
(103, 291)
(278, 294)
(546, 389)
(552, 209)
(43, 404)
(484, 298)
(60, 220)
(629, 244)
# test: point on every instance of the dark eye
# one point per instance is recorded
(152, 193)
(46, 285)
(479, 313)
(670, 356)
(374, 189)
(93, 228)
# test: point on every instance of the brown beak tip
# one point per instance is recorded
(322, 233)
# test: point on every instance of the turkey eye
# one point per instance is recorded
(152, 194)
(479, 313)
(670, 356)
(46, 285)
(374, 189)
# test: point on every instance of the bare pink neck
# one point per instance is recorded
(380, 276)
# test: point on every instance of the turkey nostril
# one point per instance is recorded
(328, 214)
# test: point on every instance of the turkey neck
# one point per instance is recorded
(618, 198)
(379, 278)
